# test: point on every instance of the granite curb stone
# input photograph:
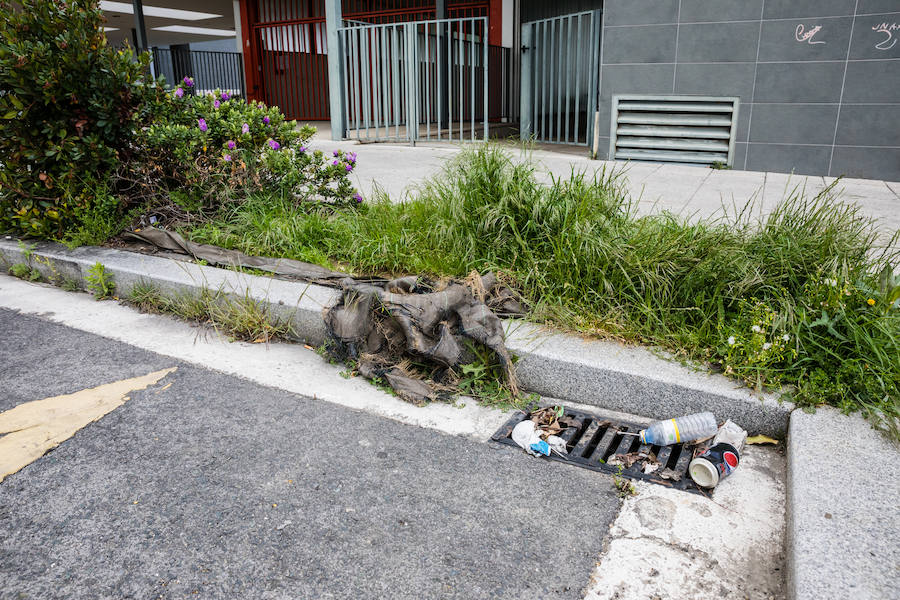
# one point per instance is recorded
(843, 519)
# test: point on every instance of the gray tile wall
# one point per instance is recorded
(817, 79)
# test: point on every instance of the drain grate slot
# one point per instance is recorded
(593, 443)
(588, 441)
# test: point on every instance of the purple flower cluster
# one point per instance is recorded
(266, 120)
(188, 81)
(201, 123)
(216, 104)
(225, 96)
(245, 128)
(227, 158)
(274, 145)
(357, 197)
(231, 145)
(179, 92)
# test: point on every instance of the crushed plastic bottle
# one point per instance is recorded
(681, 429)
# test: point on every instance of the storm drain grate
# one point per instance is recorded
(598, 444)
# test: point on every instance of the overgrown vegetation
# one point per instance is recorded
(801, 301)
(69, 107)
(91, 143)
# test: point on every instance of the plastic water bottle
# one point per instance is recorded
(681, 429)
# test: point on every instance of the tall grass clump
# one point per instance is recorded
(802, 299)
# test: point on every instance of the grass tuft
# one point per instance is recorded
(241, 318)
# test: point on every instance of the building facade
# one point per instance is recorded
(804, 86)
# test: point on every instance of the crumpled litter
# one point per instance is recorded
(390, 326)
(626, 460)
(529, 438)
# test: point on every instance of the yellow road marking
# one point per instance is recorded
(33, 428)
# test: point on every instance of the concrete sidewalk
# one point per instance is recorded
(689, 191)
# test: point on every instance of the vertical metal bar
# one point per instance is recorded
(472, 82)
(412, 120)
(319, 82)
(450, 80)
(568, 73)
(484, 43)
(385, 81)
(592, 103)
(284, 88)
(357, 85)
(373, 68)
(460, 55)
(395, 62)
(297, 71)
(366, 81)
(543, 115)
(344, 35)
(551, 80)
(579, 64)
(526, 100)
(559, 80)
(438, 68)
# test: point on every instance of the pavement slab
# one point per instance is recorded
(668, 544)
(218, 487)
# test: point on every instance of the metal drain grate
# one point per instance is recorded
(595, 442)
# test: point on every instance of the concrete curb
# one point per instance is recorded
(599, 373)
(843, 520)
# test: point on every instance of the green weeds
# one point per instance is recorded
(100, 281)
(624, 487)
(23, 271)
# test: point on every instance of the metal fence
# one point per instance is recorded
(420, 80)
(559, 82)
(209, 70)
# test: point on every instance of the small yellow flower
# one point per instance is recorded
(870, 302)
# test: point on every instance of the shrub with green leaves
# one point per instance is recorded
(201, 148)
(69, 106)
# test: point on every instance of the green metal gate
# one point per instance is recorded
(418, 80)
(560, 78)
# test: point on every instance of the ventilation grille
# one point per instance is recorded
(686, 129)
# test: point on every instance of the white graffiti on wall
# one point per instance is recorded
(801, 34)
(888, 30)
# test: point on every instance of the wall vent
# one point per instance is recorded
(685, 129)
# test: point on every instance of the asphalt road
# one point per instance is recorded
(215, 487)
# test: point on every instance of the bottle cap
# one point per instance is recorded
(704, 473)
